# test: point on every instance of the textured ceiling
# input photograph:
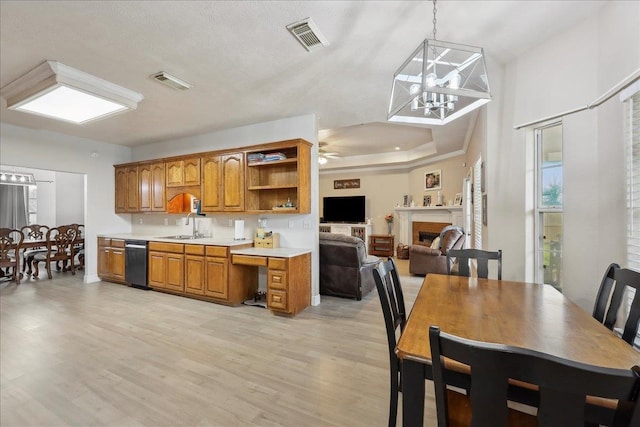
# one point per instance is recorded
(246, 68)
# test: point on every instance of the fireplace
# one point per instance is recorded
(424, 233)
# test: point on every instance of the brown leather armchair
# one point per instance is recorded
(345, 269)
(424, 260)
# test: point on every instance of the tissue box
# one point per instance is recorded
(268, 241)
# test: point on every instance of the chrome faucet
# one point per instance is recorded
(194, 234)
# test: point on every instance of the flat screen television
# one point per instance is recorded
(343, 209)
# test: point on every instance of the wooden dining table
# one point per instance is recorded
(526, 315)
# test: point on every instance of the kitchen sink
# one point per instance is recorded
(179, 237)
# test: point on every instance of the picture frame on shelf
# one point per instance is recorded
(433, 180)
(426, 200)
(458, 200)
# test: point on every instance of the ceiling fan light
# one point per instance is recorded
(322, 160)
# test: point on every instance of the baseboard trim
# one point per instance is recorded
(91, 278)
(315, 300)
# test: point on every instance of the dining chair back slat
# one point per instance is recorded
(604, 293)
(563, 384)
(395, 317)
(463, 256)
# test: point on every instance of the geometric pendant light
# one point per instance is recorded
(438, 83)
(61, 92)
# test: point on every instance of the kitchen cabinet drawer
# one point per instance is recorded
(277, 279)
(194, 249)
(176, 248)
(117, 243)
(277, 300)
(218, 251)
(278, 263)
(260, 261)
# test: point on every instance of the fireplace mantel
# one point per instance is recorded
(407, 215)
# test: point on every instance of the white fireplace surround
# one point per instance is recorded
(406, 216)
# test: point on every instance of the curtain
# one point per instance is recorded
(13, 206)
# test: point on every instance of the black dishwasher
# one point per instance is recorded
(135, 263)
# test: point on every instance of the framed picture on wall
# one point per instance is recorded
(433, 180)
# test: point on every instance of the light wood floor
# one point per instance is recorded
(101, 354)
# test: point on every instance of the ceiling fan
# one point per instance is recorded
(324, 156)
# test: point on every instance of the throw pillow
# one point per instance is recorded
(436, 243)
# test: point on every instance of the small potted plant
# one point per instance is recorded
(389, 219)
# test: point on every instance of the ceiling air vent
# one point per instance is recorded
(307, 33)
(171, 81)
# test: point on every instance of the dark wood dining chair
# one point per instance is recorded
(59, 249)
(463, 256)
(604, 292)
(563, 385)
(33, 232)
(10, 242)
(395, 318)
(615, 283)
(78, 245)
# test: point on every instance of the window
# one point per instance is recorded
(32, 205)
(549, 214)
(477, 204)
(632, 137)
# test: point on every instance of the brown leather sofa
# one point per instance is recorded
(345, 269)
(424, 260)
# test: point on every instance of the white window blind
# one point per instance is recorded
(632, 136)
(477, 204)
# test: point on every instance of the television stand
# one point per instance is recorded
(360, 230)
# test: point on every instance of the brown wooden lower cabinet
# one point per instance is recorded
(194, 274)
(209, 272)
(111, 259)
(166, 266)
(288, 280)
(199, 271)
(217, 283)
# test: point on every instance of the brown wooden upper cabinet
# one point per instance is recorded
(267, 178)
(183, 172)
(152, 187)
(279, 178)
(126, 189)
(223, 183)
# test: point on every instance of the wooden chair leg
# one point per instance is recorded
(73, 266)
(36, 269)
(49, 270)
(16, 274)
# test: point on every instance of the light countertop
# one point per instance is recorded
(275, 252)
(200, 241)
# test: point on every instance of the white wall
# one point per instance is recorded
(69, 198)
(299, 231)
(385, 187)
(566, 72)
(54, 151)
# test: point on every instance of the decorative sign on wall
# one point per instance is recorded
(340, 184)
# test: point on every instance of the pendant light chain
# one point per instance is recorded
(435, 21)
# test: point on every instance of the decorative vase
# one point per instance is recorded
(389, 228)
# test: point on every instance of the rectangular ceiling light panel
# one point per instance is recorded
(71, 105)
(60, 92)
